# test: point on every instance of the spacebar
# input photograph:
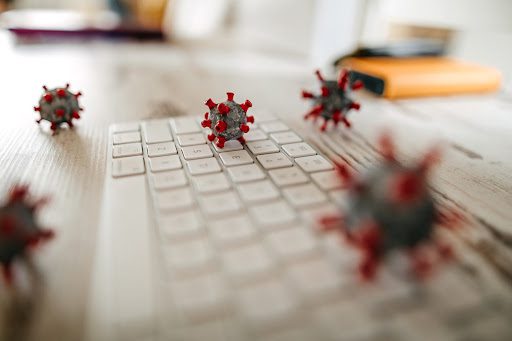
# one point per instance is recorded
(132, 275)
(127, 261)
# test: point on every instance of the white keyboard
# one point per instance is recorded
(238, 257)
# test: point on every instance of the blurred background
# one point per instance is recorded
(320, 30)
(188, 50)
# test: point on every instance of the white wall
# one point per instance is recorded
(461, 15)
(336, 29)
(489, 15)
(286, 23)
(319, 29)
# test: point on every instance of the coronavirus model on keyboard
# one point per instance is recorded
(227, 120)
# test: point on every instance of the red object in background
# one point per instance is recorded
(19, 231)
(334, 102)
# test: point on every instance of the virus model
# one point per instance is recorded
(59, 106)
(334, 102)
(19, 231)
(227, 120)
(391, 208)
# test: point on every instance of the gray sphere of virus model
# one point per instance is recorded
(59, 106)
(403, 222)
(390, 207)
(227, 120)
(334, 102)
(19, 231)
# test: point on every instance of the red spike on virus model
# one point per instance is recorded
(59, 106)
(19, 231)
(390, 208)
(333, 103)
(227, 120)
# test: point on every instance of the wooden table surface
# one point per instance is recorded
(131, 81)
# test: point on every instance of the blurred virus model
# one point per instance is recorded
(391, 208)
(333, 103)
(59, 106)
(227, 120)
(19, 231)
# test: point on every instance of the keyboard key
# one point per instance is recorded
(125, 127)
(339, 196)
(185, 125)
(271, 214)
(168, 180)
(357, 322)
(128, 149)
(191, 139)
(163, 163)
(233, 230)
(302, 332)
(197, 152)
(391, 290)
(431, 322)
(236, 158)
(288, 176)
(276, 160)
(221, 203)
(264, 116)
(191, 256)
(326, 281)
(228, 146)
(314, 163)
(128, 166)
(247, 262)
(179, 225)
(262, 147)
(129, 137)
(312, 216)
(345, 258)
(285, 137)
(293, 242)
(211, 183)
(246, 173)
(327, 180)
(221, 327)
(161, 149)
(174, 199)
(298, 149)
(304, 195)
(267, 304)
(255, 135)
(156, 132)
(203, 166)
(273, 127)
(258, 191)
(201, 297)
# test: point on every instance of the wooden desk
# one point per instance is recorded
(128, 81)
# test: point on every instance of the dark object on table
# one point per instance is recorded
(19, 231)
(403, 49)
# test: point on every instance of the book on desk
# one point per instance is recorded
(422, 76)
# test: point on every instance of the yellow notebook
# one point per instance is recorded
(422, 76)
